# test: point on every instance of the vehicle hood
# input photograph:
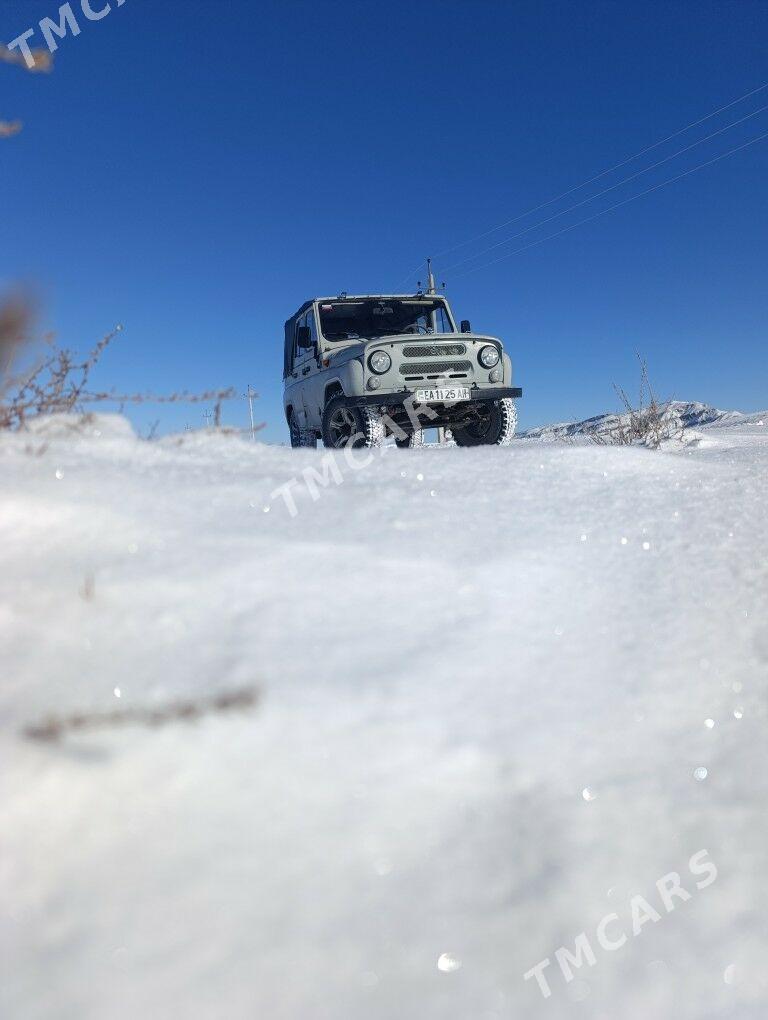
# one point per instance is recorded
(357, 348)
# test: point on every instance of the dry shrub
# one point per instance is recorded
(650, 423)
(59, 381)
(55, 384)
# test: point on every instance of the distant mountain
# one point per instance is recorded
(691, 414)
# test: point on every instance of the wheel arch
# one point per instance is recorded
(332, 389)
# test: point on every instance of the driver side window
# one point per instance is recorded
(312, 326)
(300, 354)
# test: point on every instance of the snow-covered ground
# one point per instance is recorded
(488, 681)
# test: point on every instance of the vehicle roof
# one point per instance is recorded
(386, 297)
(366, 297)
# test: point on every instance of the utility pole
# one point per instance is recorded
(249, 396)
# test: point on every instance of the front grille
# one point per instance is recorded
(434, 351)
(432, 369)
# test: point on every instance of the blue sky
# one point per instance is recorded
(196, 170)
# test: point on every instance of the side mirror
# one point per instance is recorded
(304, 337)
(465, 326)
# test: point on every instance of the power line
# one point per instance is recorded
(597, 177)
(605, 191)
(603, 173)
(618, 205)
(405, 279)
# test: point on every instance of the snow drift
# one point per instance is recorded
(500, 693)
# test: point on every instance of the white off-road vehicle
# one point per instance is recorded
(360, 368)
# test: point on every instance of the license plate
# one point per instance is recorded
(443, 394)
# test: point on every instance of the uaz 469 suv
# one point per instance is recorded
(359, 368)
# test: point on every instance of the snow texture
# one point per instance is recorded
(501, 693)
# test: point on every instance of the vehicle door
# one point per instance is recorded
(294, 384)
(313, 375)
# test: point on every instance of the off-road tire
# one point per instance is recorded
(360, 427)
(300, 437)
(413, 441)
(497, 431)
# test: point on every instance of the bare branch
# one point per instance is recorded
(9, 128)
(54, 728)
(42, 59)
(16, 314)
(59, 382)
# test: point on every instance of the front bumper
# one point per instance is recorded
(400, 398)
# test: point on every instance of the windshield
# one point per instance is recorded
(358, 320)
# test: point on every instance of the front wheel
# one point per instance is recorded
(358, 427)
(412, 441)
(495, 425)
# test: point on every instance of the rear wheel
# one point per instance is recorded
(494, 426)
(359, 427)
(300, 436)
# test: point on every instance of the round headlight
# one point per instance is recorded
(379, 362)
(489, 357)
